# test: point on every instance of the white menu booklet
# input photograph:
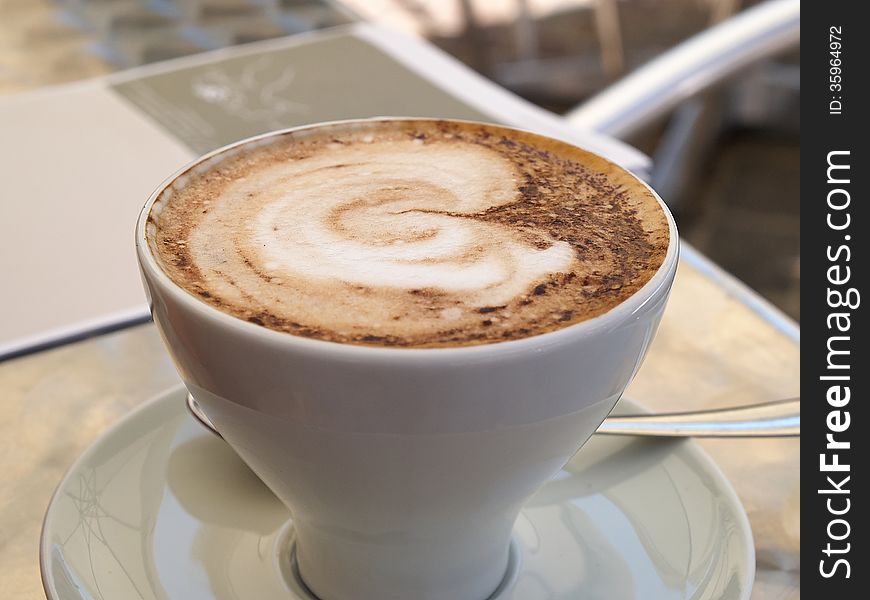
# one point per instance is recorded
(78, 161)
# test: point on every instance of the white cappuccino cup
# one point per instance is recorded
(404, 469)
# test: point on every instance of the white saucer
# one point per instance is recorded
(160, 509)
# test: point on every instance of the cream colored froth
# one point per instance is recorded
(404, 236)
(397, 216)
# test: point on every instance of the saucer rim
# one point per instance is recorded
(723, 484)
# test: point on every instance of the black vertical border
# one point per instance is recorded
(823, 133)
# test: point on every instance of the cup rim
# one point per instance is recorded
(603, 322)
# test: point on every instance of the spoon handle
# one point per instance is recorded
(771, 419)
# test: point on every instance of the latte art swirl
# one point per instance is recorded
(409, 233)
(347, 217)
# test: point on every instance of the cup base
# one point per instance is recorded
(288, 566)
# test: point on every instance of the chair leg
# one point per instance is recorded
(610, 38)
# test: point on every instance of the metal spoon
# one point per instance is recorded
(781, 418)
(771, 419)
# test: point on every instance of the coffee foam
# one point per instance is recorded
(410, 233)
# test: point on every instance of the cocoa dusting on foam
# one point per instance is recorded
(410, 234)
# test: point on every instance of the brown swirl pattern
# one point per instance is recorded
(393, 235)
